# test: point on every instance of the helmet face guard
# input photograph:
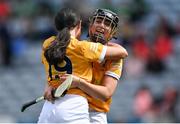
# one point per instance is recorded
(108, 16)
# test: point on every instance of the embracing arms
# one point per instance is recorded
(103, 91)
(115, 51)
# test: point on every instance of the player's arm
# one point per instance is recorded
(108, 84)
(115, 51)
(98, 52)
(103, 91)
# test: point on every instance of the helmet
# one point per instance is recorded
(105, 15)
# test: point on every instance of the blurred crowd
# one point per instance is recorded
(150, 47)
(155, 109)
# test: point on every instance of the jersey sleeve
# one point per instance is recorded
(93, 51)
(42, 54)
(43, 59)
(44, 46)
(115, 69)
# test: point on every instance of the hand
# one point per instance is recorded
(48, 93)
(75, 82)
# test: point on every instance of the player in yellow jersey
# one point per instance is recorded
(105, 75)
(103, 25)
(64, 54)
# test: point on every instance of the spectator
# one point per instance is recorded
(142, 103)
(5, 38)
(170, 103)
(140, 47)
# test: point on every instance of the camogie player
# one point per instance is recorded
(103, 26)
(65, 54)
(105, 75)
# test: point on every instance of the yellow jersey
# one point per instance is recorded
(78, 61)
(113, 69)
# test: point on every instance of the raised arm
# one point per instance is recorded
(115, 51)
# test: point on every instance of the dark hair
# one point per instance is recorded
(65, 20)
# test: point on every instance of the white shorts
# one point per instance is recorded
(97, 117)
(68, 109)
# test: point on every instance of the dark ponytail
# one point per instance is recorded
(65, 20)
(57, 50)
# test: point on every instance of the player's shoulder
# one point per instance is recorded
(47, 42)
(79, 43)
(88, 43)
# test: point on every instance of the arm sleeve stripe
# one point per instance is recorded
(103, 54)
(114, 75)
